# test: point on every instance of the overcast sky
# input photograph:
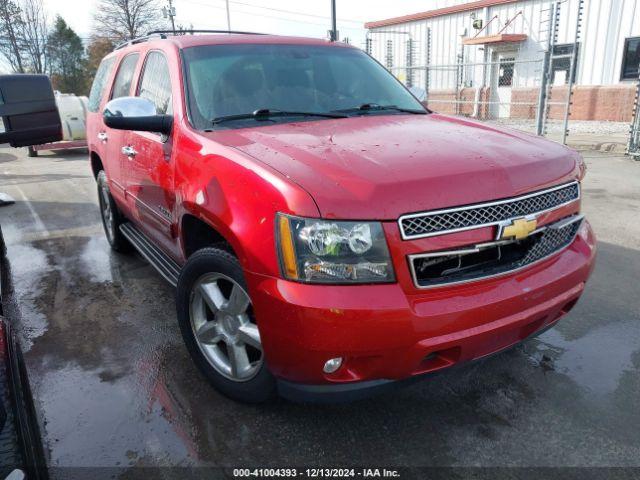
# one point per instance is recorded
(286, 17)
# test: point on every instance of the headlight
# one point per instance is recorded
(325, 251)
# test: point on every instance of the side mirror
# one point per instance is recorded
(135, 113)
(28, 111)
(419, 93)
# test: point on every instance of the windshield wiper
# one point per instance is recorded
(373, 107)
(266, 113)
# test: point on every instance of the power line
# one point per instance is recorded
(172, 13)
(293, 12)
(327, 19)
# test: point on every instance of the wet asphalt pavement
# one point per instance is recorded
(114, 385)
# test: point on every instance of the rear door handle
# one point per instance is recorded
(129, 151)
(102, 136)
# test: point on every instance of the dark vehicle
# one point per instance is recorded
(28, 116)
(21, 453)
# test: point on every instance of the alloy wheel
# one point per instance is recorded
(222, 322)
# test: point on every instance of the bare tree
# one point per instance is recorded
(11, 25)
(126, 19)
(34, 33)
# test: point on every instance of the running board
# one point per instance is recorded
(165, 266)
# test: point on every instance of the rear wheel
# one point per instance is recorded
(111, 216)
(218, 325)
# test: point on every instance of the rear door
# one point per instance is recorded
(149, 178)
(114, 139)
(96, 130)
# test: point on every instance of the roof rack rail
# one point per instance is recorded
(191, 32)
(144, 38)
(165, 33)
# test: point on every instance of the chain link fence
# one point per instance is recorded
(503, 90)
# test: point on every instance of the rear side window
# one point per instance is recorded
(99, 82)
(124, 78)
(156, 83)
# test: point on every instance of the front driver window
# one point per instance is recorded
(156, 83)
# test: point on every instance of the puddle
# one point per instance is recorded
(596, 361)
(91, 423)
(29, 266)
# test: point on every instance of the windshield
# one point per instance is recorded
(225, 80)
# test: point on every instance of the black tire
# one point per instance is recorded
(262, 386)
(32, 152)
(111, 224)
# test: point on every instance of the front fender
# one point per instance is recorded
(239, 197)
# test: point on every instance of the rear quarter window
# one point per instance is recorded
(100, 82)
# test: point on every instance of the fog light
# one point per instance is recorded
(332, 365)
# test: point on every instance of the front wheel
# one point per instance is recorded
(218, 325)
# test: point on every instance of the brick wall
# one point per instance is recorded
(444, 101)
(613, 103)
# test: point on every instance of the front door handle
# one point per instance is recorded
(129, 151)
(102, 136)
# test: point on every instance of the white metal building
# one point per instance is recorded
(491, 36)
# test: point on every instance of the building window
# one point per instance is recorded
(561, 66)
(505, 72)
(631, 59)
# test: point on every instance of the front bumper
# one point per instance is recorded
(386, 334)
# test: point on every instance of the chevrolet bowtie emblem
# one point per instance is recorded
(517, 229)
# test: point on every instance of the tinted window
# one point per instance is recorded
(631, 59)
(156, 83)
(122, 83)
(99, 82)
(239, 79)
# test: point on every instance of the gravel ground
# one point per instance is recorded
(575, 126)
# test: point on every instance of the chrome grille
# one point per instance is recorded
(439, 222)
(552, 239)
(469, 264)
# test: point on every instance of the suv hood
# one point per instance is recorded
(379, 167)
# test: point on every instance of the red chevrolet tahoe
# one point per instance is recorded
(327, 234)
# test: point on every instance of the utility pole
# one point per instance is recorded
(333, 34)
(170, 12)
(228, 17)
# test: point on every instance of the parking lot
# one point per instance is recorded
(115, 387)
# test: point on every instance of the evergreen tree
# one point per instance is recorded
(66, 59)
